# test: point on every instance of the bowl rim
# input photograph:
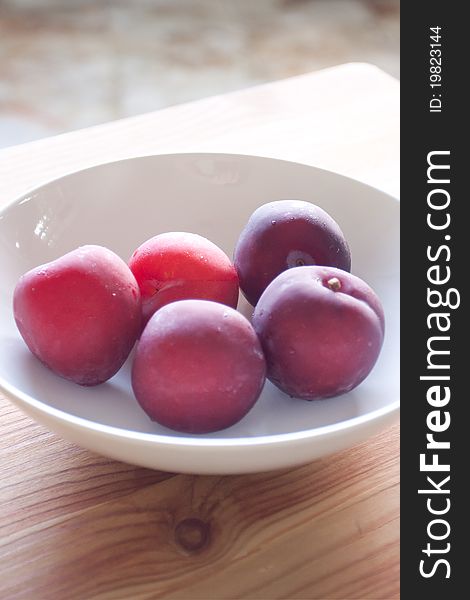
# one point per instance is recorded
(14, 394)
(188, 441)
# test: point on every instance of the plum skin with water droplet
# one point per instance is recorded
(198, 366)
(284, 234)
(321, 330)
(80, 314)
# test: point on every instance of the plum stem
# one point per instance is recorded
(334, 284)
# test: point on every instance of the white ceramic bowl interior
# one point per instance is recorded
(120, 205)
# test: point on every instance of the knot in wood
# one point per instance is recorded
(192, 534)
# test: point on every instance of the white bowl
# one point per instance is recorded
(120, 205)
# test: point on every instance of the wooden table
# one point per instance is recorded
(74, 525)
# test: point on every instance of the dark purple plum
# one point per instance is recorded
(80, 314)
(285, 234)
(198, 367)
(321, 330)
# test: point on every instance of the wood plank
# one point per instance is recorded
(325, 530)
(43, 476)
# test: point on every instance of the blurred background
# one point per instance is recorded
(66, 64)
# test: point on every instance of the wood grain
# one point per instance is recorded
(76, 480)
(74, 525)
(325, 530)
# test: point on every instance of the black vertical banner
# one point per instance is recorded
(435, 254)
